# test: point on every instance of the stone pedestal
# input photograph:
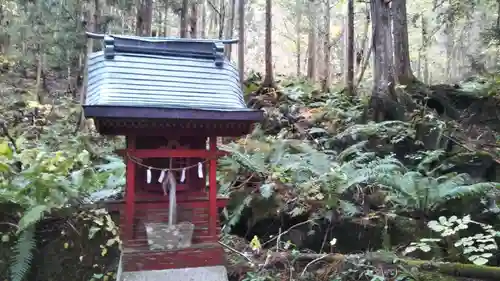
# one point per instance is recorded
(208, 273)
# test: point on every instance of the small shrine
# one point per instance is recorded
(171, 99)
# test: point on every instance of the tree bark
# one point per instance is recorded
(298, 30)
(222, 18)
(241, 37)
(327, 49)
(365, 43)
(166, 24)
(383, 83)
(193, 20)
(349, 77)
(424, 53)
(203, 33)
(311, 45)
(90, 46)
(403, 72)
(144, 18)
(230, 28)
(269, 78)
(184, 19)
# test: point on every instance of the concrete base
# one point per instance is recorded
(209, 273)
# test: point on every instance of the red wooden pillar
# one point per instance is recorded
(212, 197)
(130, 192)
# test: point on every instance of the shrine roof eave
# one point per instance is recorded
(179, 114)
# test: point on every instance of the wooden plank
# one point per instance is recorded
(163, 204)
(171, 153)
(130, 191)
(212, 196)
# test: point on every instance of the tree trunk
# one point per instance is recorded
(349, 77)
(166, 23)
(450, 38)
(424, 56)
(184, 19)
(40, 58)
(222, 18)
(193, 20)
(382, 78)
(203, 33)
(298, 47)
(365, 43)
(403, 71)
(311, 45)
(4, 38)
(241, 36)
(230, 28)
(269, 78)
(144, 18)
(327, 49)
(90, 46)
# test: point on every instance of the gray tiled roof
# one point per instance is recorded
(145, 72)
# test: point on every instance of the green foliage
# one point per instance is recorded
(478, 248)
(414, 191)
(300, 173)
(334, 162)
(23, 254)
(40, 182)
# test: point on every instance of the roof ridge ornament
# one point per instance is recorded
(164, 46)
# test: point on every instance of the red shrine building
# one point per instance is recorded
(171, 99)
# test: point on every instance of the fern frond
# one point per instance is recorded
(429, 158)
(252, 162)
(467, 190)
(32, 216)
(352, 150)
(348, 208)
(236, 213)
(23, 254)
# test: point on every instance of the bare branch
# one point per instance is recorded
(214, 8)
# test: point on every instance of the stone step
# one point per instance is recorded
(208, 273)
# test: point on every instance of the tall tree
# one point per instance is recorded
(311, 45)
(203, 33)
(424, 50)
(349, 77)
(144, 18)
(166, 20)
(241, 36)
(193, 20)
(298, 30)
(184, 18)
(383, 81)
(327, 48)
(269, 78)
(403, 71)
(230, 27)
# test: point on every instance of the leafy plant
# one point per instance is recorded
(39, 182)
(478, 248)
(414, 192)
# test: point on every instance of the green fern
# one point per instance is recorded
(236, 213)
(393, 130)
(23, 254)
(240, 160)
(32, 216)
(414, 191)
